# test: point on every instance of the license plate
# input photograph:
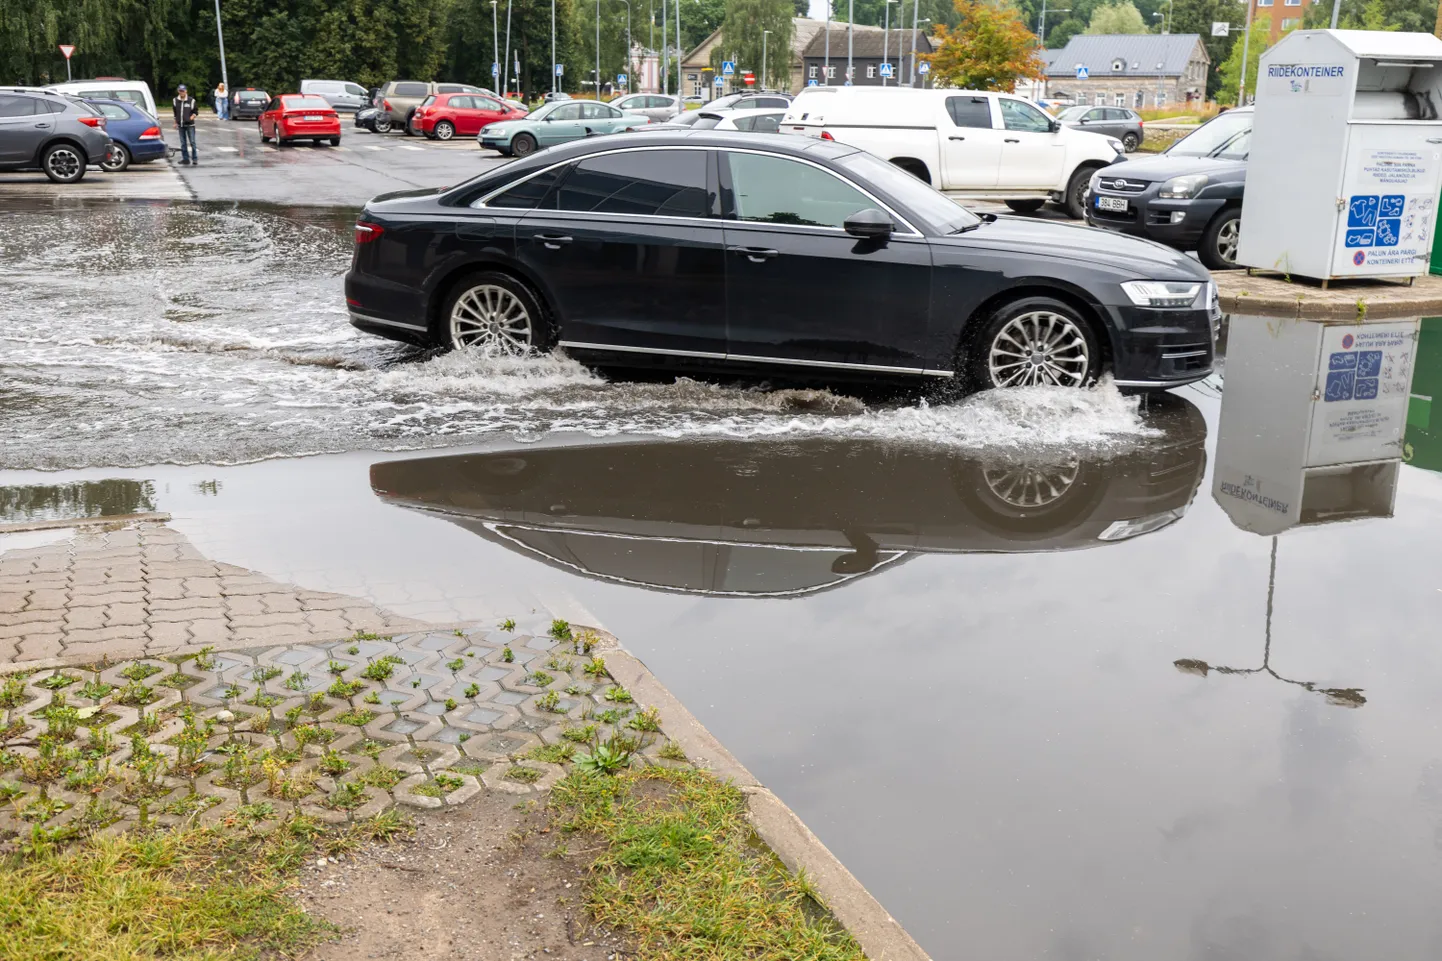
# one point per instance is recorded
(1112, 203)
(312, 118)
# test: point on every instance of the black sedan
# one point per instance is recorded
(770, 253)
(1189, 197)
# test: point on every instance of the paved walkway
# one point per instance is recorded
(144, 589)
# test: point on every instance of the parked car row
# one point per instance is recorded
(63, 135)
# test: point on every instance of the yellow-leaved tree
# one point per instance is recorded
(990, 49)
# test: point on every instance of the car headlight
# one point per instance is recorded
(1116, 145)
(1165, 293)
(1183, 188)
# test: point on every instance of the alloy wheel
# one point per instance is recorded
(1228, 237)
(64, 163)
(1031, 486)
(491, 318)
(1040, 347)
(116, 158)
(444, 131)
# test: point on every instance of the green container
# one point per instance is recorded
(1436, 267)
(1422, 446)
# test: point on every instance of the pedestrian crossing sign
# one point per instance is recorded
(923, 68)
(728, 67)
(886, 69)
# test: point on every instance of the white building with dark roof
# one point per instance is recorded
(1129, 70)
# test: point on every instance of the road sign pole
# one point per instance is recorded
(826, 63)
(555, 73)
(1246, 36)
(850, 32)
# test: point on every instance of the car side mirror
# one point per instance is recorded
(869, 224)
(1056, 125)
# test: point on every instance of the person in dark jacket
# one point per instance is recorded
(184, 106)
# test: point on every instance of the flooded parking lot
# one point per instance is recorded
(1044, 670)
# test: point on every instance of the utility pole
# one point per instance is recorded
(665, 41)
(651, 47)
(505, 89)
(496, 69)
(220, 36)
(598, 49)
(1246, 36)
(850, 34)
(1336, 9)
(886, 36)
(630, 62)
(764, 35)
(915, 25)
(555, 78)
(826, 64)
(680, 53)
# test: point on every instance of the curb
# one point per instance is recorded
(880, 935)
(105, 520)
(1272, 295)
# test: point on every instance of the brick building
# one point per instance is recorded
(1129, 70)
(1286, 14)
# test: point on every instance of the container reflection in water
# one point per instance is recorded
(781, 518)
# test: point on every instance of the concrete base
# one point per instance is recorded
(1277, 295)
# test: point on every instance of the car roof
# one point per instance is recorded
(775, 143)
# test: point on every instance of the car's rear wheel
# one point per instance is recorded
(1076, 188)
(445, 130)
(1034, 341)
(1131, 142)
(406, 127)
(117, 158)
(63, 163)
(495, 313)
(382, 123)
(523, 145)
(1218, 249)
(335, 141)
(1026, 206)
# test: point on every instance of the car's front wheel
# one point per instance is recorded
(523, 145)
(1025, 206)
(1130, 142)
(444, 130)
(1218, 249)
(117, 158)
(63, 163)
(1032, 342)
(1076, 189)
(495, 313)
(382, 123)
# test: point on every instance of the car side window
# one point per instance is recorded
(662, 183)
(410, 90)
(746, 123)
(462, 103)
(970, 111)
(451, 88)
(776, 190)
(355, 90)
(1095, 115)
(769, 123)
(273, 105)
(530, 194)
(486, 103)
(17, 106)
(113, 112)
(1020, 115)
(567, 111)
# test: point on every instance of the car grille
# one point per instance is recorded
(1185, 358)
(1122, 185)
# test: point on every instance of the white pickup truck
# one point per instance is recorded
(969, 144)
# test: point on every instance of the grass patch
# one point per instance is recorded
(199, 893)
(684, 875)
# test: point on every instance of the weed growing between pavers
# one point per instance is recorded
(213, 892)
(682, 873)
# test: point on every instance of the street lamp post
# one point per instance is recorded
(850, 34)
(764, 35)
(665, 47)
(915, 24)
(630, 63)
(886, 36)
(826, 63)
(679, 52)
(496, 47)
(598, 49)
(555, 78)
(506, 86)
(220, 36)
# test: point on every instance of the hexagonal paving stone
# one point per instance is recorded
(403, 725)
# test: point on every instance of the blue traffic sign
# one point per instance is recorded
(811, 83)
(886, 70)
(495, 69)
(560, 69)
(720, 82)
(923, 68)
(1082, 72)
(621, 79)
(728, 67)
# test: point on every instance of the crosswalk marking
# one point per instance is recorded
(374, 147)
(226, 149)
(406, 146)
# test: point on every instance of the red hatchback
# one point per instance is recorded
(296, 116)
(443, 116)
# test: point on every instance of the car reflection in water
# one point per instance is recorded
(755, 518)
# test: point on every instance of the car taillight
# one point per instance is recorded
(826, 135)
(366, 232)
(93, 122)
(151, 133)
(385, 105)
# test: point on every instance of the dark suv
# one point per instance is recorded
(1189, 197)
(51, 132)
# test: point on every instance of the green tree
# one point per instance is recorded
(1122, 17)
(1229, 75)
(873, 12)
(1197, 16)
(1063, 32)
(991, 49)
(745, 20)
(1415, 16)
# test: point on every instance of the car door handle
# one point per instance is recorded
(957, 138)
(757, 255)
(553, 241)
(1011, 140)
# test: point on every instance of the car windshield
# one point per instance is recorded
(307, 103)
(1228, 137)
(912, 193)
(428, 101)
(1072, 113)
(544, 111)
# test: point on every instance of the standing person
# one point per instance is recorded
(184, 107)
(222, 102)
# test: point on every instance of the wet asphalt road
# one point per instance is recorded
(946, 633)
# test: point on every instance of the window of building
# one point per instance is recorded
(1161, 98)
(651, 182)
(871, 71)
(1120, 100)
(811, 71)
(1139, 100)
(1264, 3)
(1293, 3)
(775, 190)
(969, 111)
(1289, 22)
(1099, 99)
(831, 73)
(1119, 65)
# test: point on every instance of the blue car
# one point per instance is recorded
(135, 135)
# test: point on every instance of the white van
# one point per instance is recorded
(969, 144)
(111, 88)
(340, 94)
